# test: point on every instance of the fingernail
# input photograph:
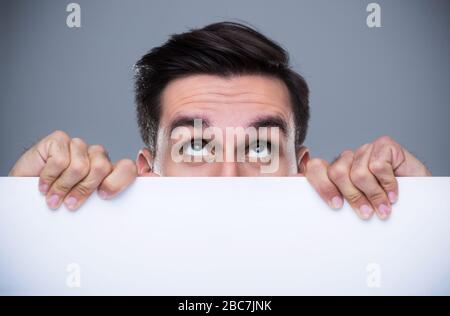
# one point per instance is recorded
(366, 211)
(384, 210)
(71, 202)
(53, 201)
(102, 194)
(336, 202)
(43, 188)
(392, 197)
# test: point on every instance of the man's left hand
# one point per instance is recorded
(365, 177)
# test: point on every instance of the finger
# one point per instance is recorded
(381, 164)
(123, 174)
(339, 174)
(55, 151)
(30, 164)
(316, 173)
(365, 181)
(404, 163)
(75, 172)
(100, 168)
(411, 167)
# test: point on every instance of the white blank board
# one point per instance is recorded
(223, 236)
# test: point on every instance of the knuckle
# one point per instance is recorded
(79, 168)
(78, 142)
(376, 166)
(388, 183)
(100, 168)
(337, 172)
(347, 152)
(362, 149)
(359, 175)
(376, 196)
(97, 148)
(61, 187)
(83, 189)
(384, 139)
(59, 134)
(354, 198)
(48, 178)
(61, 162)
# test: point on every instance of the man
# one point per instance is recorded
(225, 75)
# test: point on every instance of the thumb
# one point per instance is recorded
(410, 166)
(30, 164)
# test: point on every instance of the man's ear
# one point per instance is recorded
(302, 160)
(144, 162)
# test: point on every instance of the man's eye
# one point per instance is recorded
(259, 149)
(195, 147)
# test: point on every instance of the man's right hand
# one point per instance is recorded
(70, 171)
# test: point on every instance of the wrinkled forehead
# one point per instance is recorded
(226, 102)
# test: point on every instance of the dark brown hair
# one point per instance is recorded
(222, 49)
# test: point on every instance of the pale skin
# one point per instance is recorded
(70, 170)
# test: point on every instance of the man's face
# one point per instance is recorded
(215, 126)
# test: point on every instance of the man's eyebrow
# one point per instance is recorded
(264, 121)
(187, 121)
(270, 121)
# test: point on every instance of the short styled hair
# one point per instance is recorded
(223, 49)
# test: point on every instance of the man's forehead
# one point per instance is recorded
(232, 101)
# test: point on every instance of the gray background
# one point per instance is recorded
(365, 82)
